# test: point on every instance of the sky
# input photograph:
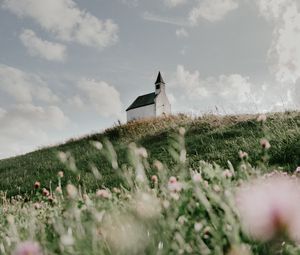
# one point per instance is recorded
(72, 67)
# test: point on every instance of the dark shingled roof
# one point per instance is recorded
(143, 100)
(159, 79)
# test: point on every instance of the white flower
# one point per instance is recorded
(103, 193)
(175, 186)
(270, 206)
(97, 145)
(28, 248)
(243, 155)
(198, 226)
(72, 191)
(227, 173)
(197, 177)
(265, 144)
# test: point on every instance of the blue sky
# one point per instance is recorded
(68, 68)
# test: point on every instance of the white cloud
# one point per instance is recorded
(234, 93)
(24, 87)
(2, 113)
(27, 111)
(174, 3)
(41, 48)
(284, 53)
(66, 21)
(104, 98)
(27, 125)
(190, 82)
(212, 10)
(182, 33)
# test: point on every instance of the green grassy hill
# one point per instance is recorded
(210, 138)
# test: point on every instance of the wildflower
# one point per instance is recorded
(37, 206)
(87, 199)
(71, 191)
(172, 179)
(166, 204)
(97, 145)
(197, 177)
(243, 155)
(51, 199)
(261, 118)
(37, 185)
(45, 192)
(265, 144)
(227, 173)
(174, 185)
(116, 190)
(206, 184)
(198, 226)
(216, 188)
(174, 196)
(206, 230)
(158, 165)
(128, 196)
(67, 239)
(278, 200)
(142, 152)
(103, 193)
(58, 190)
(60, 174)
(10, 219)
(28, 248)
(154, 179)
(182, 219)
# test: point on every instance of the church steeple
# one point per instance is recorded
(159, 79)
(159, 84)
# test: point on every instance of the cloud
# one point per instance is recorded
(28, 125)
(2, 113)
(174, 3)
(41, 48)
(212, 10)
(102, 97)
(284, 53)
(24, 87)
(234, 93)
(182, 33)
(28, 112)
(66, 21)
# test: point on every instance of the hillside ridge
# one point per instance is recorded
(211, 138)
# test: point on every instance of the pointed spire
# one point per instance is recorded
(159, 79)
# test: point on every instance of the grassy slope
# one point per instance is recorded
(210, 138)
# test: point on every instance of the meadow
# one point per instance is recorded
(177, 185)
(214, 139)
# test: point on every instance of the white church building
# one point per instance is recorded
(150, 105)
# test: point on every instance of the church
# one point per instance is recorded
(150, 105)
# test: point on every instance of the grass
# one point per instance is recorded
(170, 200)
(210, 138)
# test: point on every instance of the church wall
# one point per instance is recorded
(162, 104)
(147, 111)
